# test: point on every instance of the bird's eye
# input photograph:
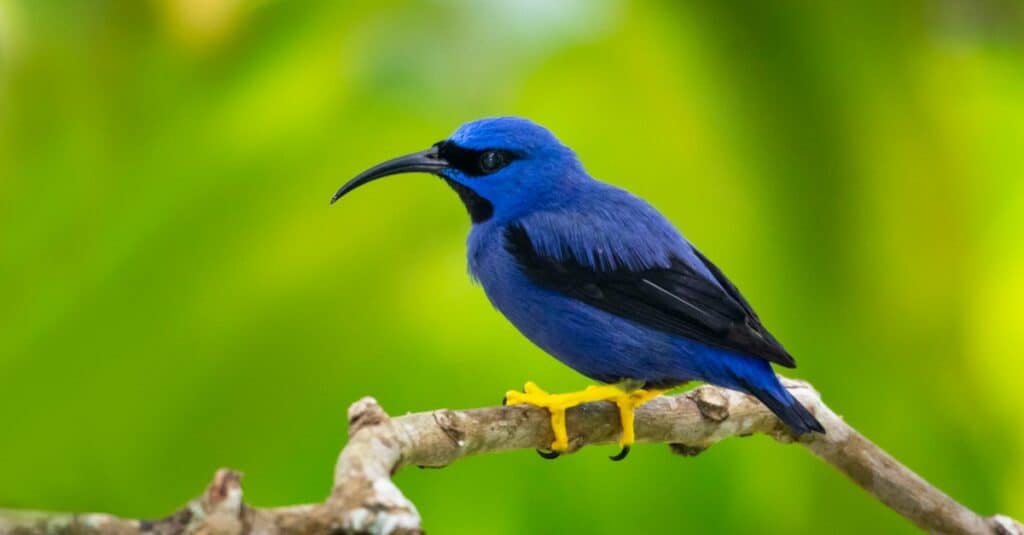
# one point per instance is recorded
(492, 160)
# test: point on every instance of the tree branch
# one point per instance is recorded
(365, 500)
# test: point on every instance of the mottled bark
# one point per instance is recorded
(365, 500)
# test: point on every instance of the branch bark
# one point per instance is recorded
(365, 500)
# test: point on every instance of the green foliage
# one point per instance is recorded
(178, 296)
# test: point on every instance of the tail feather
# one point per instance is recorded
(756, 377)
(787, 408)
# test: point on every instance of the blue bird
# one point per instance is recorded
(596, 277)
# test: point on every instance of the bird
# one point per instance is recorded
(596, 277)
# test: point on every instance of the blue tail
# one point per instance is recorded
(755, 376)
(787, 408)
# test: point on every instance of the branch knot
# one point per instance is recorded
(712, 403)
(365, 413)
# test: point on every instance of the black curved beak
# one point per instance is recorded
(428, 161)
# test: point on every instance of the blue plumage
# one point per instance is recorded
(594, 275)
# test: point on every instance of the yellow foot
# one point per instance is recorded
(625, 398)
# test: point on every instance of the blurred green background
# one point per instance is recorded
(178, 296)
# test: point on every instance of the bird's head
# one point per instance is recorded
(502, 168)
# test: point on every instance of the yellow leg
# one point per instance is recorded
(627, 405)
(626, 399)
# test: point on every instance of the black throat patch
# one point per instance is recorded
(479, 208)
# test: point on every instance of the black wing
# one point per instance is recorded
(677, 300)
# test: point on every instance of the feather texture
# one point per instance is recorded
(675, 298)
(601, 280)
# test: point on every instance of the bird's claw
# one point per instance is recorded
(515, 397)
(621, 455)
(549, 454)
(626, 401)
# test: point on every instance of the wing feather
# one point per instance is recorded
(677, 299)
